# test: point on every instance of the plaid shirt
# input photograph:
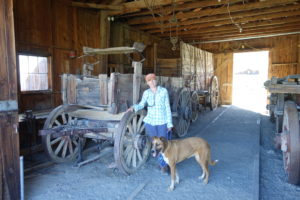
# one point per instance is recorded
(158, 104)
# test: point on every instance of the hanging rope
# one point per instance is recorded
(151, 7)
(173, 20)
(236, 24)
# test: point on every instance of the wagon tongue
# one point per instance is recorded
(65, 130)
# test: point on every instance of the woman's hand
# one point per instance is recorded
(130, 109)
(170, 129)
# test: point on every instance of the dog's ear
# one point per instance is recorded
(163, 139)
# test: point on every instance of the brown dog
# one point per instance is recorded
(175, 151)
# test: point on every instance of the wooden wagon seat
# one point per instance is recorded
(137, 47)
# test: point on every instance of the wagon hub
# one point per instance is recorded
(140, 141)
(187, 113)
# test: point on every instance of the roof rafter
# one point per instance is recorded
(221, 18)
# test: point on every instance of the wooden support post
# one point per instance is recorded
(103, 89)
(155, 57)
(298, 50)
(71, 89)
(64, 80)
(9, 137)
(136, 81)
(104, 39)
(113, 93)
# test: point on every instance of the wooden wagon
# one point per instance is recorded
(94, 108)
(284, 110)
(196, 66)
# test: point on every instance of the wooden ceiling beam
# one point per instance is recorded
(96, 6)
(136, 6)
(233, 27)
(243, 37)
(211, 11)
(289, 28)
(183, 7)
(225, 17)
(268, 31)
(242, 21)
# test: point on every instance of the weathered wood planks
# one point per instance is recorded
(9, 137)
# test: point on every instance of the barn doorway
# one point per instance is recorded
(250, 71)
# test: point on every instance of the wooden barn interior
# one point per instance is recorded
(56, 31)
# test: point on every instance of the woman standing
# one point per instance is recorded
(158, 121)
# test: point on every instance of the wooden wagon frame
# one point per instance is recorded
(95, 108)
(284, 111)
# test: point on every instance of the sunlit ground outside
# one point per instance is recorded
(250, 71)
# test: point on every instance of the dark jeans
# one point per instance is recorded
(158, 131)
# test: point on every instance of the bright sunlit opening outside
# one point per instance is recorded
(250, 71)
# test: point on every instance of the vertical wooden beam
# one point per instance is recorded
(155, 57)
(104, 39)
(113, 93)
(9, 138)
(298, 53)
(136, 81)
(71, 89)
(75, 27)
(64, 81)
(103, 89)
(1, 176)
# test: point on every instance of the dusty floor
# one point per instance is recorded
(246, 169)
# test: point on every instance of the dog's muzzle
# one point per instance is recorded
(154, 152)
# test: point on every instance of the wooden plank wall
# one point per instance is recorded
(284, 58)
(223, 70)
(55, 28)
(168, 67)
(123, 35)
(198, 63)
(9, 137)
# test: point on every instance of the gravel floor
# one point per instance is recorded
(233, 134)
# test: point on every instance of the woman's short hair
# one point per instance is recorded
(150, 77)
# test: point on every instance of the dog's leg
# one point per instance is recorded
(177, 177)
(206, 171)
(173, 174)
(197, 157)
(202, 176)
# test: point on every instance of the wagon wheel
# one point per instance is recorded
(131, 144)
(195, 106)
(214, 93)
(278, 123)
(183, 106)
(272, 116)
(63, 148)
(290, 142)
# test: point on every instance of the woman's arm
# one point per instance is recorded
(168, 110)
(142, 103)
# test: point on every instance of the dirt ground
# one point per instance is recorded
(248, 168)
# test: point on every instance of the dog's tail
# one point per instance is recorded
(213, 162)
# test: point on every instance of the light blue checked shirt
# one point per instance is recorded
(158, 104)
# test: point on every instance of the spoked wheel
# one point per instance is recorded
(183, 107)
(63, 148)
(214, 93)
(290, 142)
(195, 106)
(278, 123)
(131, 144)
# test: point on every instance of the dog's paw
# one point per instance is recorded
(177, 181)
(202, 176)
(171, 188)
